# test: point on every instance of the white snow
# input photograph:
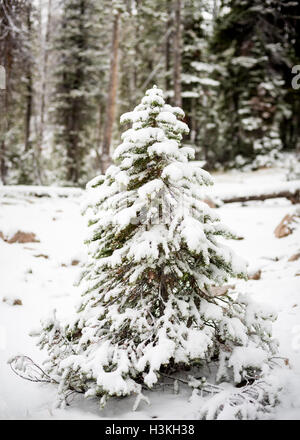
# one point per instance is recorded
(42, 275)
(246, 62)
(209, 82)
(39, 191)
(167, 147)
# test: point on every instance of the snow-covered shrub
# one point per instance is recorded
(149, 303)
(254, 400)
(293, 168)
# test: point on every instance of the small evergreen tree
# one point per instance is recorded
(149, 302)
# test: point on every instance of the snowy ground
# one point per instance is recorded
(41, 275)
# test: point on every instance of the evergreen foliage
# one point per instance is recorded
(254, 42)
(236, 80)
(16, 153)
(77, 78)
(148, 304)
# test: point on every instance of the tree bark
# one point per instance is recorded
(29, 91)
(45, 65)
(3, 167)
(112, 95)
(177, 54)
(43, 89)
(216, 10)
(6, 57)
(168, 50)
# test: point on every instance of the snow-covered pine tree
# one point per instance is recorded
(148, 303)
(254, 44)
(17, 58)
(77, 75)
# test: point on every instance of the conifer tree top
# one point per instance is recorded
(157, 195)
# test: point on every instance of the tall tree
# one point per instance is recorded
(194, 48)
(290, 128)
(254, 43)
(45, 21)
(29, 82)
(16, 100)
(112, 91)
(77, 83)
(177, 53)
(168, 39)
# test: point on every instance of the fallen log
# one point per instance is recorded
(15, 191)
(293, 196)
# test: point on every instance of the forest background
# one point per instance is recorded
(70, 68)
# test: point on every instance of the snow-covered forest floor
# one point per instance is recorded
(36, 277)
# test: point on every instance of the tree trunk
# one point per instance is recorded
(193, 121)
(43, 93)
(137, 50)
(168, 51)
(112, 95)
(216, 10)
(3, 168)
(7, 61)
(28, 86)
(3, 129)
(177, 54)
(99, 136)
(45, 65)
(28, 110)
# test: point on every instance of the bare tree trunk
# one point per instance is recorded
(193, 121)
(45, 66)
(3, 127)
(7, 61)
(137, 50)
(97, 165)
(28, 109)
(112, 95)
(99, 127)
(29, 90)
(177, 54)
(216, 10)
(43, 90)
(167, 49)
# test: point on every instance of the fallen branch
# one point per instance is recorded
(26, 368)
(16, 191)
(293, 196)
(287, 225)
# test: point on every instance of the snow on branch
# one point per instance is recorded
(26, 368)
